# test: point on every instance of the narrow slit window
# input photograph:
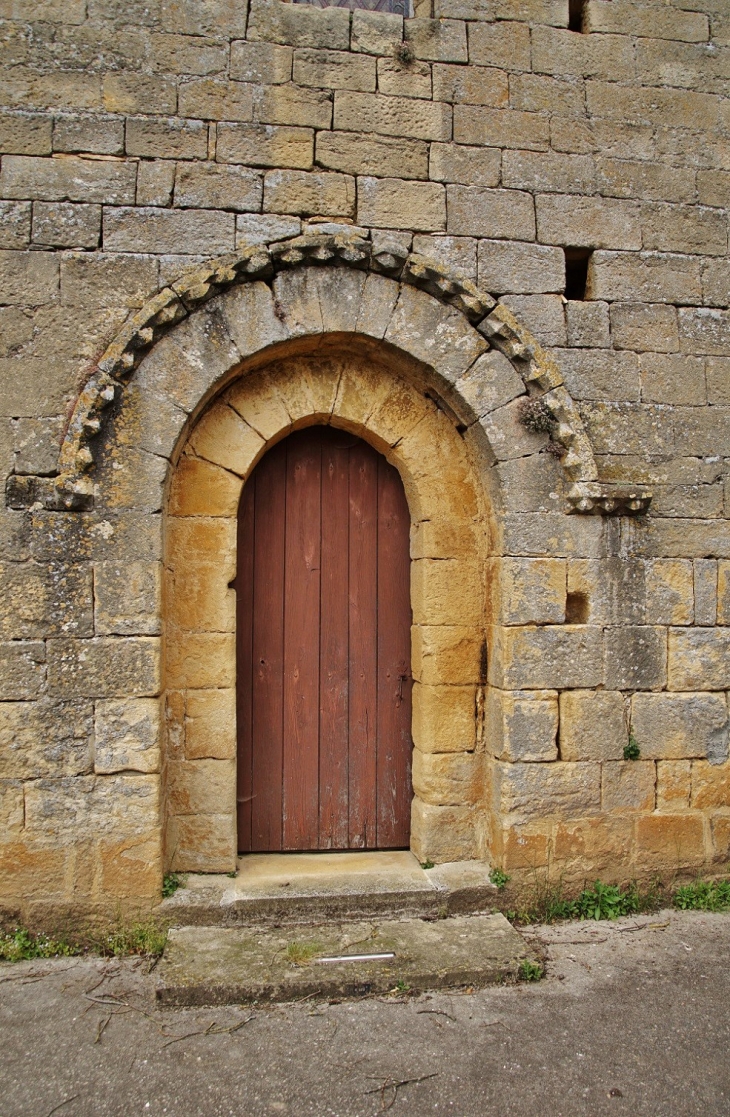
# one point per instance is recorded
(396, 7)
(576, 272)
(577, 15)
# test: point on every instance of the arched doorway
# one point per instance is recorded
(323, 648)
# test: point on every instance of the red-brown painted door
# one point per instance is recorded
(324, 679)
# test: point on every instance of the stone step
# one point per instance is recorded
(234, 965)
(284, 888)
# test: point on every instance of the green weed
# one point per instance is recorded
(21, 945)
(427, 864)
(703, 895)
(499, 879)
(530, 971)
(632, 750)
(170, 884)
(147, 938)
(302, 953)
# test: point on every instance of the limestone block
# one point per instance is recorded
(202, 843)
(507, 435)
(27, 278)
(38, 601)
(596, 222)
(292, 104)
(148, 229)
(200, 660)
(490, 383)
(644, 327)
(211, 186)
(637, 277)
(447, 779)
(536, 93)
(201, 489)
(531, 484)
(222, 437)
(101, 279)
(329, 69)
(36, 441)
(444, 718)
(670, 841)
(543, 315)
(553, 657)
(99, 135)
(628, 785)
(710, 785)
(12, 809)
(127, 598)
(199, 597)
(265, 227)
(379, 298)
(477, 212)
(261, 63)
(676, 228)
(593, 725)
(340, 298)
(458, 255)
(127, 735)
(396, 204)
(475, 124)
(210, 724)
(705, 591)
(533, 591)
(58, 810)
(560, 535)
(411, 80)
(636, 657)
(104, 667)
(298, 25)
(720, 831)
(436, 334)
(627, 178)
(167, 139)
(474, 85)
(669, 592)
(521, 725)
(630, 19)
(392, 116)
(68, 179)
(355, 153)
(587, 324)
(678, 726)
(376, 32)
(437, 40)
(136, 93)
(605, 843)
(297, 295)
(673, 784)
(446, 591)
(525, 847)
(201, 786)
(15, 224)
(201, 539)
(309, 193)
(556, 172)
(500, 44)
(704, 331)
(45, 739)
(446, 654)
(132, 479)
(258, 402)
(716, 281)
(442, 833)
(265, 145)
(360, 391)
(610, 591)
(672, 379)
(132, 870)
(723, 592)
(27, 134)
(699, 659)
(536, 791)
(155, 182)
(214, 99)
(470, 166)
(505, 266)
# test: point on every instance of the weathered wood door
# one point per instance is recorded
(324, 679)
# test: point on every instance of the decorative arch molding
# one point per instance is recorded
(451, 331)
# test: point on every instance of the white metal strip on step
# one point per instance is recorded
(358, 958)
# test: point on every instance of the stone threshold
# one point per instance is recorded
(232, 965)
(290, 888)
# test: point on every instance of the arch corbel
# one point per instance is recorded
(72, 489)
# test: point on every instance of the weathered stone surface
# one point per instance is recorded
(201, 787)
(593, 725)
(376, 32)
(673, 784)
(45, 739)
(669, 592)
(335, 70)
(410, 80)
(264, 228)
(211, 186)
(678, 726)
(38, 601)
(447, 779)
(507, 435)
(394, 204)
(309, 193)
(96, 135)
(476, 212)
(68, 178)
(444, 718)
(290, 104)
(146, 229)
(710, 785)
(552, 657)
(210, 724)
(65, 225)
(699, 659)
(504, 128)
(595, 222)
(441, 833)
(533, 591)
(543, 315)
(355, 153)
(260, 62)
(521, 726)
(127, 598)
(670, 841)
(723, 592)
(26, 133)
(636, 657)
(501, 44)
(600, 374)
(470, 166)
(505, 267)
(60, 809)
(530, 791)
(446, 654)
(434, 333)
(298, 25)
(104, 667)
(490, 383)
(437, 40)
(587, 324)
(214, 99)
(15, 224)
(127, 735)
(392, 116)
(265, 145)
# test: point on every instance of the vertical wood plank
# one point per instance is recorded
(244, 665)
(334, 622)
(394, 662)
(301, 641)
(268, 651)
(363, 645)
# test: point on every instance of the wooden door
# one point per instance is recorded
(323, 646)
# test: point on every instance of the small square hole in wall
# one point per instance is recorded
(576, 272)
(577, 15)
(576, 608)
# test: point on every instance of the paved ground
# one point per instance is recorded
(633, 1019)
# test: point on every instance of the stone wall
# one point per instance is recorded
(142, 139)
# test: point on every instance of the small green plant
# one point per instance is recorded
(404, 53)
(21, 945)
(233, 874)
(301, 953)
(147, 938)
(170, 884)
(703, 895)
(535, 415)
(401, 987)
(604, 901)
(499, 878)
(427, 864)
(530, 971)
(632, 750)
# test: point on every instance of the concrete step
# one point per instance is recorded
(233, 965)
(288, 888)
